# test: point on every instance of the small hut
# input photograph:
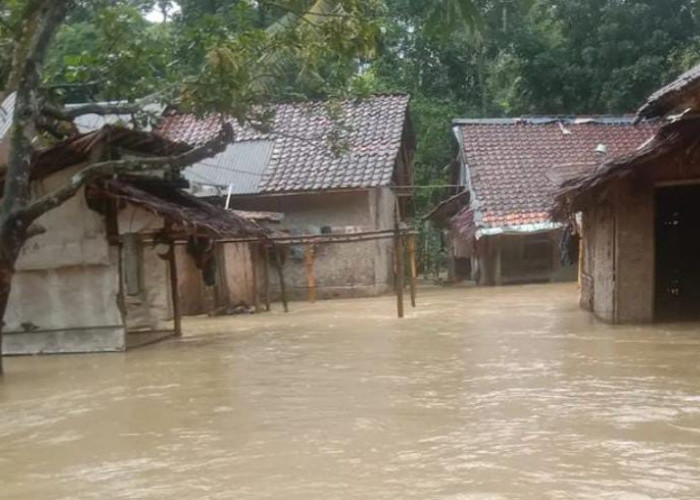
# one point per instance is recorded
(226, 277)
(102, 276)
(639, 216)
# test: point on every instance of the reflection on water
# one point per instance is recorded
(480, 393)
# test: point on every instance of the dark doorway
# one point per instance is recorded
(678, 253)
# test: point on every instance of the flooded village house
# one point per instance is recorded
(639, 215)
(101, 277)
(506, 234)
(336, 173)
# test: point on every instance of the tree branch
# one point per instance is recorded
(130, 165)
(49, 16)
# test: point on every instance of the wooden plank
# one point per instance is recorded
(280, 274)
(310, 254)
(177, 317)
(398, 254)
(266, 276)
(398, 259)
(254, 249)
(414, 271)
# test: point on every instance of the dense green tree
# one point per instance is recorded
(109, 46)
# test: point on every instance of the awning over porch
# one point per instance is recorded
(182, 212)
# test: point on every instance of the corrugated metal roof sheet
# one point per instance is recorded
(242, 166)
(85, 123)
(88, 123)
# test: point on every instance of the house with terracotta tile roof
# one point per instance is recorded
(639, 215)
(511, 168)
(330, 168)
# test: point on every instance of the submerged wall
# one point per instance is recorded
(341, 270)
(619, 262)
(66, 285)
(522, 258)
(149, 304)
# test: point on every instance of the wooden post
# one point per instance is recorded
(398, 260)
(412, 258)
(177, 318)
(254, 263)
(581, 257)
(266, 276)
(310, 253)
(280, 274)
(398, 253)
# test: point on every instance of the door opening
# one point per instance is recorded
(677, 253)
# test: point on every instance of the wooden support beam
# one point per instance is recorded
(280, 274)
(266, 276)
(177, 317)
(398, 259)
(310, 254)
(414, 271)
(254, 249)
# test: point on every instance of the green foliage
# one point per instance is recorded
(116, 50)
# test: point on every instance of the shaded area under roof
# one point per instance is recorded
(448, 208)
(183, 212)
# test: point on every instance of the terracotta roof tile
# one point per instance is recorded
(509, 161)
(302, 157)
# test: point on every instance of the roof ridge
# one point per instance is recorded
(607, 119)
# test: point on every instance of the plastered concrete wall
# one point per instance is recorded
(516, 269)
(341, 270)
(152, 307)
(64, 293)
(501, 261)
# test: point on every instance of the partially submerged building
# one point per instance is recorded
(510, 167)
(330, 169)
(639, 215)
(101, 278)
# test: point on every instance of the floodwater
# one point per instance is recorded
(478, 394)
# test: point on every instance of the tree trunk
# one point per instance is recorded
(6, 272)
(43, 18)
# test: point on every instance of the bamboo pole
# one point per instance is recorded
(310, 254)
(280, 274)
(266, 276)
(254, 264)
(311, 278)
(177, 317)
(412, 258)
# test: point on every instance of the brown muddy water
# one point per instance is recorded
(479, 394)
